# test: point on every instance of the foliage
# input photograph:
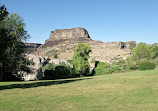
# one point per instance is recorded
(49, 66)
(140, 53)
(147, 65)
(52, 51)
(55, 55)
(154, 52)
(3, 12)
(63, 71)
(80, 59)
(70, 61)
(132, 45)
(101, 68)
(52, 71)
(105, 68)
(12, 36)
(156, 60)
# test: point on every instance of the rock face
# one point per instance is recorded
(64, 39)
(62, 42)
(68, 34)
(31, 47)
(36, 67)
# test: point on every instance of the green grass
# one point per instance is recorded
(132, 91)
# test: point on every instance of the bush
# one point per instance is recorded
(132, 45)
(101, 69)
(62, 71)
(105, 68)
(156, 60)
(147, 65)
(49, 66)
(154, 52)
(140, 53)
(55, 55)
(70, 61)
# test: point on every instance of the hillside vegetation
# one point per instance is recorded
(131, 91)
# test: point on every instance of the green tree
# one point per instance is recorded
(142, 51)
(80, 59)
(3, 12)
(154, 52)
(12, 38)
(139, 54)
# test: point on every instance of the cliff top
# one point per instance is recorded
(68, 34)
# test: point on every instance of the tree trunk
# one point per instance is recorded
(1, 71)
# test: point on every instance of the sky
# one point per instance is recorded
(105, 20)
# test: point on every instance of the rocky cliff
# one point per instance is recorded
(35, 67)
(73, 33)
(62, 43)
(31, 47)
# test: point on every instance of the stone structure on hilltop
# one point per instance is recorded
(62, 42)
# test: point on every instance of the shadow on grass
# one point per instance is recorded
(38, 84)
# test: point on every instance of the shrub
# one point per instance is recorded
(156, 60)
(132, 45)
(140, 53)
(70, 61)
(52, 51)
(55, 55)
(49, 66)
(62, 71)
(147, 65)
(101, 69)
(154, 52)
(105, 68)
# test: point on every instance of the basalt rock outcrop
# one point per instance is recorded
(73, 33)
(31, 47)
(62, 42)
(35, 68)
(64, 39)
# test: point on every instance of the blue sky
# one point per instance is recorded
(105, 20)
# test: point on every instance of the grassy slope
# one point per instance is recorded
(133, 91)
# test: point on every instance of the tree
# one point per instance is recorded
(140, 53)
(80, 59)
(154, 52)
(3, 12)
(12, 38)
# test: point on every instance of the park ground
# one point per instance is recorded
(130, 91)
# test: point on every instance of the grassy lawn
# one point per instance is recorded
(132, 91)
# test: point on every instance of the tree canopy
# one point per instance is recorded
(80, 59)
(12, 38)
